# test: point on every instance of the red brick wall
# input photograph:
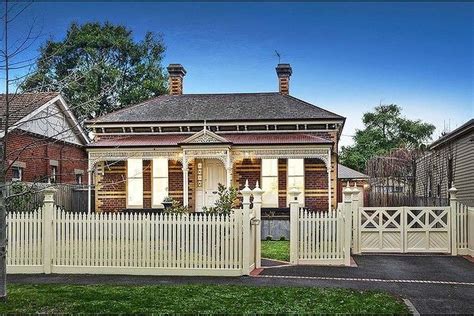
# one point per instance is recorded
(175, 180)
(316, 184)
(36, 152)
(282, 183)
(247, 169)
(111, 186)
(147, 165)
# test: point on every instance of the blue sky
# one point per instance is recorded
(346, 57)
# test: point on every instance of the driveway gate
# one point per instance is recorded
(404, 229)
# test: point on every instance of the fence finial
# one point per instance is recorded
(257, 194)
(453, 193)
(246, 192)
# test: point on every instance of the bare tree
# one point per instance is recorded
(16, 68)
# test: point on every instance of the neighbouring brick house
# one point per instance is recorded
(183, 145)
(45, 141)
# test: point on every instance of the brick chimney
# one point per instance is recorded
(284, 72)
(176, 74)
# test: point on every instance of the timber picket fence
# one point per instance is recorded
(56, 241)
(322, 238)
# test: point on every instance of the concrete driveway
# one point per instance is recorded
(434, 284)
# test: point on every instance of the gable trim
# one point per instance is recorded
(207, 137)
(64, 108)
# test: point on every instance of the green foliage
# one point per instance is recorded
(226, 202)
(269, 238)
(99, 68)
(20, 198)
(282, 238)
(176, 208)
(194, 299)
(385, 129)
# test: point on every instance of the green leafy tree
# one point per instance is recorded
(385, 129)
(99, 68)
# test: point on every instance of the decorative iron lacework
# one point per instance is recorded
(227, 156)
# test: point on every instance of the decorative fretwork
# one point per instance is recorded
(221, 154)
(266, 153)
(118, 155)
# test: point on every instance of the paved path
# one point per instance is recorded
(434, 284)
(441, 284)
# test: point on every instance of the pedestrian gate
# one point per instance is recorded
(404, 229)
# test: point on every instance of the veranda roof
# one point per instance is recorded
(236, 139)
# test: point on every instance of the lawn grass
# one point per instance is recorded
(276, 249)
(225, 299)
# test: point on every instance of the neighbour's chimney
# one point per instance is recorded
(176, 73)
(284, 72)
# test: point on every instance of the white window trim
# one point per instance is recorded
(138, 176)
(262, 176)
(301, 197)
(154, 190)
(20, 172)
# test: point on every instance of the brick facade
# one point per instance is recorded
(282, 183)
(36, 154)
(111, 183)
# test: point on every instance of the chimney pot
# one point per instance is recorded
(284, 72)
(176, 74)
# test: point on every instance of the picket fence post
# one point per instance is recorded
(246, 192)
(48, 209)
(355, 219)
(453, 204)
(294, 215)
(347, 192)
(257, 206)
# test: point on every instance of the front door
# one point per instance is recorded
(213, 173)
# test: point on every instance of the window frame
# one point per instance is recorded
(20, 172)
(136, 177)
(54, 174)
(159, 177)
(263, 183)
(301, 197)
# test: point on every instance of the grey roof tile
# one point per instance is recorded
(219, 107)
(344, 172)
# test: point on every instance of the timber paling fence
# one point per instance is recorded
(48, 240)
(70, 197)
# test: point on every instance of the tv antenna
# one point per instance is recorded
(278, 55)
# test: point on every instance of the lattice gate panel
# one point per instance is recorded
(427, 229)
(380, 229)
(404, 229)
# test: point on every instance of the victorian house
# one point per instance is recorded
(183, 145)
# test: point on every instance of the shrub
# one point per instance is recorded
(20, 198)
(282, 238)
(176, 208)
(269, 237)
(226, 202)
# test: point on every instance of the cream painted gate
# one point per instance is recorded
(404, 229)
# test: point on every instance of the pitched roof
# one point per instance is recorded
(23, 104)
(458, 132)
(219, 107)
(236, 139)
(344, 172)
